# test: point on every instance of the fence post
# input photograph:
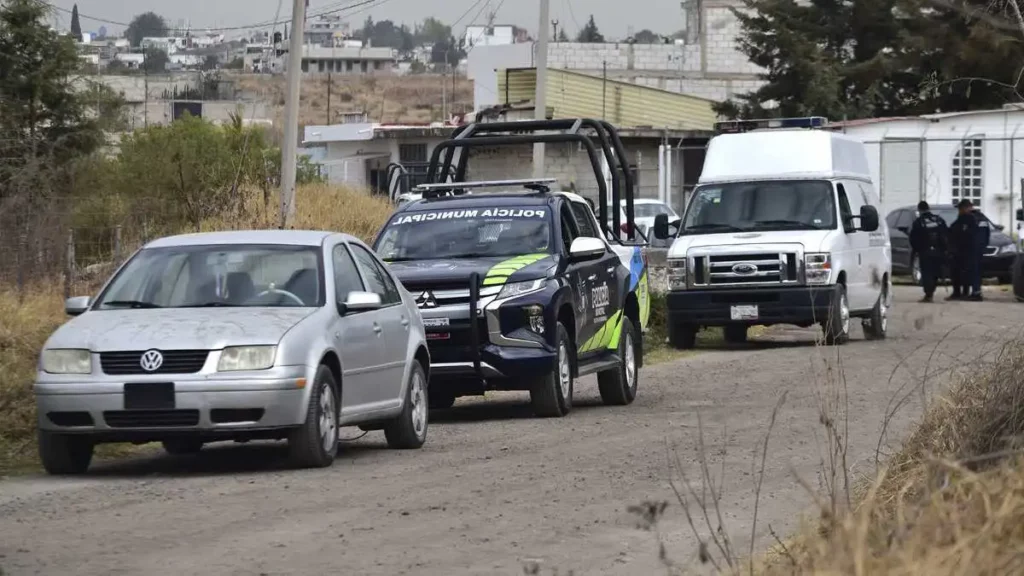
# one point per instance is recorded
(117, 246)
(69, 263)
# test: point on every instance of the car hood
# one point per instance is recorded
(422, 274)
(809, 240)
(997, 238)
(177, 328)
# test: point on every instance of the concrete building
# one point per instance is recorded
(326, 30)
(347, 60)
(942, 158)
(706, 62)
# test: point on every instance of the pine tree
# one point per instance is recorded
(76, 26)
(590, 33)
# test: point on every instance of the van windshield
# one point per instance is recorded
(761, 206)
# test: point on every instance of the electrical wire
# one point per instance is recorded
(336, 8)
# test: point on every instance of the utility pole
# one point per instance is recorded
(540, 99)
(290, 148)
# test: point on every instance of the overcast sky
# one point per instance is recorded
(614, 17)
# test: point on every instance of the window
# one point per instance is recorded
(845, 213)
(761, 206)
(967, 171)
(346, 275)
(412, 153)
(906, 219)
(583, 220)
(473, 233)
(892, 220)
(378, 280)
(569, 232)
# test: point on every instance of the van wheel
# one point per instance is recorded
(837, 326)
(735, 333)
(64, 454)
(618, 386)
(876, 326)
(315, 443)
(682, 337)
(551, 396)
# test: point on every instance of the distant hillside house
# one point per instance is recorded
(347, 60)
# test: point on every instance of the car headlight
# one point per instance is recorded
(818, 267)
(1007, 249)
(66, 361)
(240, 358)
(516, 289)
(677, 274)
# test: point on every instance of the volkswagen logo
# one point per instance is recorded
(151, 360)
(426, 300)
(744, 268)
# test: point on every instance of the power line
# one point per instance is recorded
(572, 15)
(336, 8)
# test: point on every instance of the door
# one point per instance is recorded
(355, 339)
(594, 282)
(854, 246)
(393, 323)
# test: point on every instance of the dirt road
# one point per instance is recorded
(495, 489)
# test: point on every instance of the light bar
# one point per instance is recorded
(525, 182)
(770, 123)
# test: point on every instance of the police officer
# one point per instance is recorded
(963, 237)
(982, 235)
(928, 240)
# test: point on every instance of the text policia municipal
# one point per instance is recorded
(465, 214)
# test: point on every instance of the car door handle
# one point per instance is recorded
(377, 328)
(405, 322)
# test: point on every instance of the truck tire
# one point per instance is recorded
(682, 336)
(551, 396)
(314, 444)
(64, 454)
(837, 325)
(735, 333)
(618, 386)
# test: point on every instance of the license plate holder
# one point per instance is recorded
(149, 396)
(744, 312)
(439, 336)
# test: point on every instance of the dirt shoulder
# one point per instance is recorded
(494, 488)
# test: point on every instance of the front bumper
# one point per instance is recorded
(790, 305)
(204, 407)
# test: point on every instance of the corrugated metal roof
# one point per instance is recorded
(577, 95)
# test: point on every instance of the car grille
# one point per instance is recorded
(174, 362)
(748, 269)
(447, 294)
(151, 418)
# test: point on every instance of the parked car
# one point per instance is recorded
(236, 336)
(997, 262)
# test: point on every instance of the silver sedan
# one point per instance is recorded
(236, 336)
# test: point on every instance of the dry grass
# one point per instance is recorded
(385, 98)
(951, 502)
(29, 318)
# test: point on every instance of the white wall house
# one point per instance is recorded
(942, 158)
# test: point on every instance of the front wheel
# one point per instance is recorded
(837, 325)
(315, 443)
(409, 430)
(618, 386)
(551, 396)
(64, 454)
(876, 327)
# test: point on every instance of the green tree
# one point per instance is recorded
(44, 121)
(210, 62)
(76, 25)
(647, 36)
(147, 24)
(590, 33)
(433, 31)
(562, 36)
(155, 61)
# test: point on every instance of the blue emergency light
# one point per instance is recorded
(729, 126)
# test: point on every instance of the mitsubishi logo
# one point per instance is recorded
(426, 300)
(151, 360)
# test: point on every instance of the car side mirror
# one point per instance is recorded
(662, 226)
(585, 248)
(999, 227)
(360, 302)
(77, 305)
(868, 219)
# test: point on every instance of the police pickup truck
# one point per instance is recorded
(520, 288)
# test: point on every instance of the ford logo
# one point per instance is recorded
(744, 268)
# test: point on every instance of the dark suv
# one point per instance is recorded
(997, 262)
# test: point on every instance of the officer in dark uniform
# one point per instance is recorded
(928, 240)
(962, 236)
(982, 235)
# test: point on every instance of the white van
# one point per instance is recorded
(782, 228)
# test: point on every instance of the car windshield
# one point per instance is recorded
(761, 206)
(466, 233)
(651, 210)
(217, 276)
